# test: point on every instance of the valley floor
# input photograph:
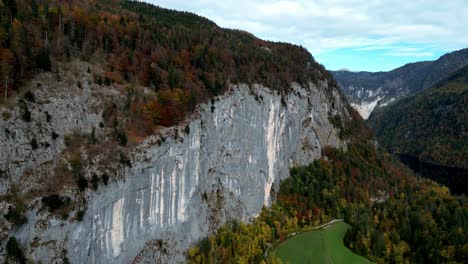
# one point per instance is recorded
(321, 246)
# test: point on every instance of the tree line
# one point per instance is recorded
(183, 58)
(395, 217)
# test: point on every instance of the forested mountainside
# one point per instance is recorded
(367, 90)
(129, 131)
(183, 58)
(395, 218)
(431, 125)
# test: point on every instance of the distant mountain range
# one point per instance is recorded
(431, 126)
(368, 90)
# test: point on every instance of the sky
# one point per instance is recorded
(359, 35)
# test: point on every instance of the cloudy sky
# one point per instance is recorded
(372, 35)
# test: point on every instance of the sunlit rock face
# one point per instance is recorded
(224, 165)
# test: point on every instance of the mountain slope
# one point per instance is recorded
(140, 44)
(395, 217)
(431, 125)
(162, 61)
(367, 90)
(130, 131)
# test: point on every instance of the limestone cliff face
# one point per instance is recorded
(225, 165)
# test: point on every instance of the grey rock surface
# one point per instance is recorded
(59, 108)
(178, 190)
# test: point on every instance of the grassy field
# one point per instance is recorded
(322, 246)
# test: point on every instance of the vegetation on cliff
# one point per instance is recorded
(166, 62)
(182, 58)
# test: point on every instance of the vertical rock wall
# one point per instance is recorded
(237, 150)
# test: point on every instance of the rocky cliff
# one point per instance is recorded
(223, 163)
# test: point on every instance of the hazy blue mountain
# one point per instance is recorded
(431, 125)
(368, 90)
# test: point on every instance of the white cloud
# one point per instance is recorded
(288, 8)
(327, 25)
(409, 54)
(370, 48)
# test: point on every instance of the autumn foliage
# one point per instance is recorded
(184, 59)
(394, 217)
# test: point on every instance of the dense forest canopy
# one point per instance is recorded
(431, 126)
(183, 58)
(395, 218)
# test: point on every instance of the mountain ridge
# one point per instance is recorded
(369, 90)
(131, 134)
(154, 130)
(430, 125)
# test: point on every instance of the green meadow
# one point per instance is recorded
(320, 246)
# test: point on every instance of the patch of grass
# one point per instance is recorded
(66, 260)
(34, 144)
(29, 96)
(125, 160)
(76, 164)
(92, 137)
(67, 140)
(48, 117)
(74, 140)
(79, 215)
(121, 136)
(14, 251)
(54, 135)
(26, 115)
(105, 178)
(55, 202)
(15, 216)
(6, 116)
(95, 182)
(321, 246)
(82, 183)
